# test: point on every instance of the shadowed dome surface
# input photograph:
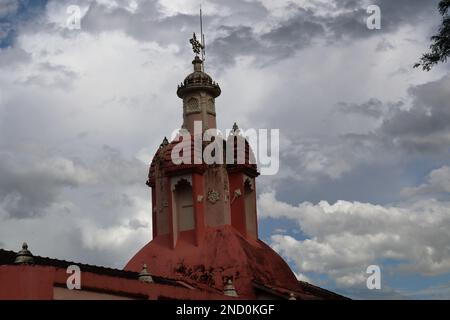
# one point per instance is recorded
(224, 253)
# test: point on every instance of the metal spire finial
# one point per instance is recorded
(202, 34)
(198, 45)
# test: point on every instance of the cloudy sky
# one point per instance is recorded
(365, 139)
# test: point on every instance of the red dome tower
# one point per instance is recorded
(204, 216)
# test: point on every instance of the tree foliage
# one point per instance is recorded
(440, 47)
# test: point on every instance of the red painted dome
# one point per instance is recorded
(163, 159)
(224, 253)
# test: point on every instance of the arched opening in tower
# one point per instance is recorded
(250, 207)
(184, 206)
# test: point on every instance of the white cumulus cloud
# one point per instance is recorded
(344, 238)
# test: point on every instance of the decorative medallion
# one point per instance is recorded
(213, 196)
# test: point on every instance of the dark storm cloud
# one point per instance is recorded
(294, 35)
(305, 26)
(178, 28)
(394, 14)
(30, 184)
(8, 7)
(231, 40)
(146, 24)
(400, 12)
(426, 126)
(51, 75)
(12, 57)
(372, 108)
(282, 41)
(242, 10)
(365, 183)
(407, 141)
(349, 25)
(384, 45)
(14, 13)
(116, 169)
(239, 40)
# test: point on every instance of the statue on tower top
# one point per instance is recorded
(197, 47)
